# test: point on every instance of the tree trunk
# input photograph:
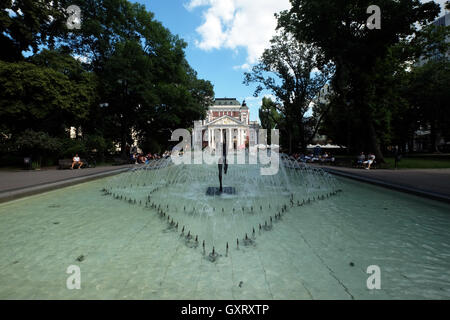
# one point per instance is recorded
(374, 141)
(434, 137)
(123, 140)
(290, 141)
(302, 136)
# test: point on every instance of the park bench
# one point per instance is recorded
(357, 165)
(67, 163)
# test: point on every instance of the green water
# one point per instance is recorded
(130, 253)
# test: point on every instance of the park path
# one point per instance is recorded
(434, 183)
(19, 183)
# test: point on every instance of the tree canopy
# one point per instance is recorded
(364, 58)
(121, 75)
(294, 72)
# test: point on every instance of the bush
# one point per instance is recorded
(95, 143)
(70, 147)
(46, 150)
(37, 145)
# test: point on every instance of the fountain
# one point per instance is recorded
(222, 166)
(153, 233)
(176, 194)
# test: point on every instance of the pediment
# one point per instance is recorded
(225, 121)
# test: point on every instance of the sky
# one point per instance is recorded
(225, 38)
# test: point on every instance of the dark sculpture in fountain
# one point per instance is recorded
(223, 168)
(223, 161)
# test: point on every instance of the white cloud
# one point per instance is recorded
(234, 24)
(82, 59)
(195, 3)
(244, 67)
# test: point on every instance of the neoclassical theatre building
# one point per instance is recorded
(227, 116)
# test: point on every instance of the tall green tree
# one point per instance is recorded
(294, 72)
(146, 81)
(429, 95)
(122, 75)
(39, 97)
(338, 28)
(270, 117)
(268, 114)
(25, 25)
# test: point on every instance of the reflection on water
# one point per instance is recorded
(131, 248)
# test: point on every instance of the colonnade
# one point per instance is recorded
(216, 135)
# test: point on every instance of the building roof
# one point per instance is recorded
(226, 102)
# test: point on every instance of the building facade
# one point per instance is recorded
(226, 118)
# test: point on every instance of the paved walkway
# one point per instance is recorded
(19, 183)
(434, 183)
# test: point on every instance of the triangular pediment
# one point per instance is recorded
(225, 121)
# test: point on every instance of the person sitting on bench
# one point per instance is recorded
(76, 161)
(370, 161)
(360, 159)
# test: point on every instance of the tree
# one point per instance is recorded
(294, 72)
(428, 94)
(148, 102)
(41, 98)
(270, 117)
(338, 29)
(122, 75)
(421, 86)
(146, 81)
(28, 24)
(108, 22)
(37, 144)
(268, 114)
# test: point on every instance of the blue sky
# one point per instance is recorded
(225, 38)
(242, 39)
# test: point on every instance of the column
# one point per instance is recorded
(211, 137)
(239, 137)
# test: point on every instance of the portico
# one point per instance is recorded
(227, 117)
(236, 134)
